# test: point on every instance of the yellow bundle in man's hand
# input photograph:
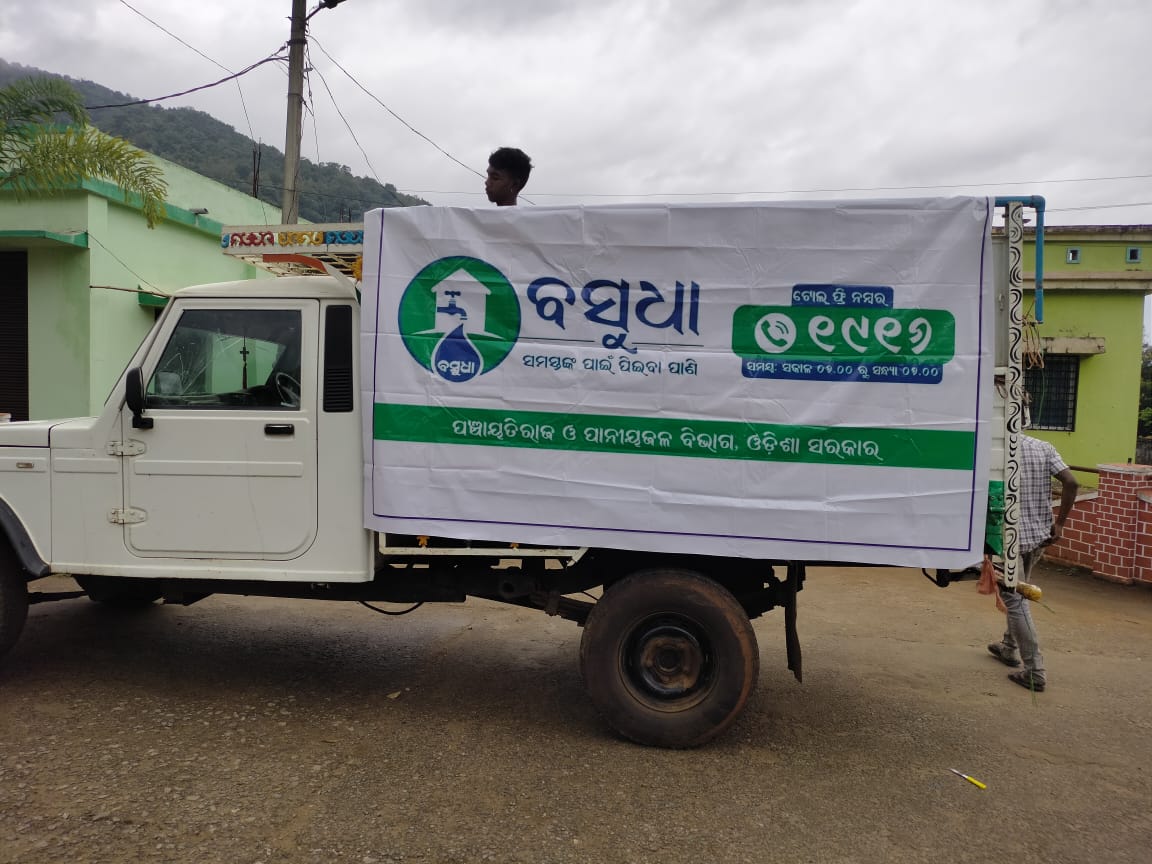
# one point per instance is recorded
(1032, 592)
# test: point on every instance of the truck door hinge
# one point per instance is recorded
(125, 448)
(126, 516)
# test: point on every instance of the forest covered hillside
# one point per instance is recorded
(329, 192)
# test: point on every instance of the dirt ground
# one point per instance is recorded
(253, 730)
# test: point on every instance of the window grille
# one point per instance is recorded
(1052, 392)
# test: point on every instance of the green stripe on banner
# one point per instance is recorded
(662, 436)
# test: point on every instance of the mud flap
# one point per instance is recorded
(792, 641)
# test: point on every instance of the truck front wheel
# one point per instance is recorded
(669, 658)
(13, 599)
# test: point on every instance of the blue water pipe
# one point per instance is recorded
(1036, 202)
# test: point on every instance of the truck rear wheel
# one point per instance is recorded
(13, 599)
(669, 658)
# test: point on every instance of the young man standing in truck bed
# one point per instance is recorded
(508, 170)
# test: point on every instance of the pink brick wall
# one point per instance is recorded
(1078, 543)
(1111, 531)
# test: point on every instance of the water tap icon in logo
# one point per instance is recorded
(459, 318)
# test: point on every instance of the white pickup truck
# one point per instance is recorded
(230, 458)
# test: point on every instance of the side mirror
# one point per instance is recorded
(134, 396)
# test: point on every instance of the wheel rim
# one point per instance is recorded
(668, 662)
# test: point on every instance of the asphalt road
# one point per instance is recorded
(251, 730)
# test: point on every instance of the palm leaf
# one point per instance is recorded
(37, 101)
(39, 158)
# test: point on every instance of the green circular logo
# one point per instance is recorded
(459, 317)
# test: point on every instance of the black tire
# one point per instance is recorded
(13, 598)
(119, 593)
(669, 658)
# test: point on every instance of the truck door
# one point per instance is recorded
(228, 468)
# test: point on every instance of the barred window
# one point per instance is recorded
(1052, 389)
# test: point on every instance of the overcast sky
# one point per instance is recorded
(721, 99)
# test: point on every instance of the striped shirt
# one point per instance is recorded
(1039, 463)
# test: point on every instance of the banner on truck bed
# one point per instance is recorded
(805, 381)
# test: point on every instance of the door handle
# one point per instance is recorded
(279, 429)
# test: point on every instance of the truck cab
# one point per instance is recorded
(227, 449)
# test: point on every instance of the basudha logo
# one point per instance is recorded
(459, 317)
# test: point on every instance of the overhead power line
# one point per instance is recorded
(377, 100)
(310, 193)
(159, 26)
(635, 195)
(244, 71)
(810, 191)
(310, 108)
(347, 125)
(1101, 207)
(239, 89)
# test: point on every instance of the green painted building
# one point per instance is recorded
(80, 279)
(1083, 360)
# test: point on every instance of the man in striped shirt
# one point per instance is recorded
(1039, 462)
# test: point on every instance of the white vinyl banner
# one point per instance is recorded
(806, 381)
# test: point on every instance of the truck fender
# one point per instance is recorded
(21, 543)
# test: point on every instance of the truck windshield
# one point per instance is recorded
(230, 358)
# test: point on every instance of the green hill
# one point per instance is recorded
(329, 192)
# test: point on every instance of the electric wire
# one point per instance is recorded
(1032, 348)
(174, 36)
(239, 89)
(390, 111)
(377, 100)
(310, 106)
(820, 190)
(234, 183)
(579, 195)
(347, 125)
(1099, 207)
(96, 239)
(407, 191)
(271, 58)
(411, 608)
(278, 55)
(825, 191)
(218, 64)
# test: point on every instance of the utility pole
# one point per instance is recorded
(290, 206)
